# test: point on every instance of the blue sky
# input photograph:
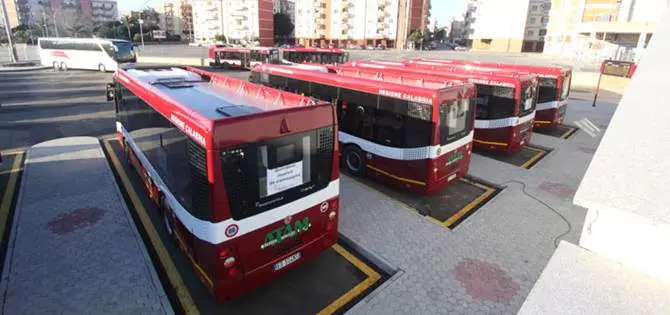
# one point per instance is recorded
(445, 10)
(442, 10)
(125, 5)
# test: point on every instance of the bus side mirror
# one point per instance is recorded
(111, 93)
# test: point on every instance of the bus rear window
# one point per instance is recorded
(528, 100)
(565, 88)
(455, 120)
(494, 102)
(265, 175)
(548, 90)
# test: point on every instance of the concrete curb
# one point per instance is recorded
(22, 69)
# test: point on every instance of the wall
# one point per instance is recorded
(500, 19)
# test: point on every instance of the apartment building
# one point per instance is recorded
(347, 23)
(597, 29)
(170, 18)
(509, 26)
(31, 11)
(104, 11)
(22, 12)
(242, 21)
(186, 20)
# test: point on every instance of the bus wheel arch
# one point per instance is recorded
(354, 159)
(225, 65)
(63, 65)
(102, 68)
(56, 66)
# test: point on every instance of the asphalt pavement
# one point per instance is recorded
(172, 50)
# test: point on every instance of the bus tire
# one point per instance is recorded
(354, 160)
(225, 65)
(167, 215)
(102, 68)
(63, 66)
(56, 66)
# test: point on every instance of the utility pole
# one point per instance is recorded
(12, 50)
(141, 31)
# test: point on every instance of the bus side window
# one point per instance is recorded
(360, 124)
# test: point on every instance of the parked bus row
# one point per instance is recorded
(246, 174)
(246, 58)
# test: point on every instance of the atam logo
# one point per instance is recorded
(457, 156)
(277, 236)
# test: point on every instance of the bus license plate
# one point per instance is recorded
(287, 261)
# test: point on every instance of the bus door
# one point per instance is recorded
(245, 61)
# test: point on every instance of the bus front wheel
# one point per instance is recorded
(102, 68)
(56, 66)
(354, 160)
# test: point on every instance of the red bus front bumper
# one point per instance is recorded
(227, 290)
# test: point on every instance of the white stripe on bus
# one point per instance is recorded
(551, 105)
(503, 122)
(214, 233)
(405, 154)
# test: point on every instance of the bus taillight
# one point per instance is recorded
(227, 256)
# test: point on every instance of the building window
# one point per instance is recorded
(533, 7)
(530, 33)
(543, 32)
(532, 20)
(544, 19)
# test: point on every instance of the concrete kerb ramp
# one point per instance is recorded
(73, 246)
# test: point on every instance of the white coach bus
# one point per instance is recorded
(64, 53)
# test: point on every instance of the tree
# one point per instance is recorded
(283, 27)
(415, 36)
(26, 33)
(113, 29)
(220, 38)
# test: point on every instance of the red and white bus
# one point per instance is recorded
(417, 137)
(243, 58)
(326, 56)
(505, 103)
(553, 92)
(246, 177)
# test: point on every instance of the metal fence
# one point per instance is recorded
(24, 53)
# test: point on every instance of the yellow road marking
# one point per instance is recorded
(491, 143)
(396, 177)
(566, 134)
(372, 278)
(540, 153)
(170, 269)
(8, 197)
(454, 218)
(465, 210)
(182, 244)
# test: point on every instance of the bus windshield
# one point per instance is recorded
(455, 120)
(548, 90)
(265, 175)
(121, 51)
(494, 102)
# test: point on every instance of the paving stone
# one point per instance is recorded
(74, 247)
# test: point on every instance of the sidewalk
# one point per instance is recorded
(73, 247)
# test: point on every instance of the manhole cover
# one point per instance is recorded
(587, 150)
(486, 281)
(76, 219)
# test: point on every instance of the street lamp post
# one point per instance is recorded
(12, 50)
(141, 31)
